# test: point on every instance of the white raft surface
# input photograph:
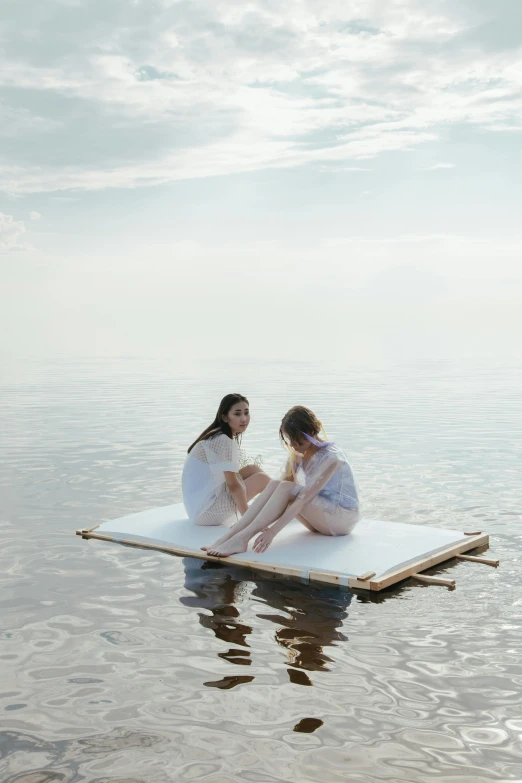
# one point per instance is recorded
(375, 555)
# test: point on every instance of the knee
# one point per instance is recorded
(252, 470)
(285, 487)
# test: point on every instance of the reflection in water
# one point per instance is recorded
(308, 620)
(216, 589)
(111, 669)
(225, 683)
(70, 753)
(308, 725)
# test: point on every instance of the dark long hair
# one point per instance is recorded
(219, 426)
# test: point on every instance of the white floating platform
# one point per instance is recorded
(374, 556)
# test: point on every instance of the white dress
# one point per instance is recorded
(206, 496)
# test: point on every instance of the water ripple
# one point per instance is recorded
(128, 666)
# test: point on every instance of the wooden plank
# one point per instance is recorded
(366, 576)
(181, 552)
(361, 582)
(325, 577)
(476, 559)
(434, 580)
(85, 530)
(403, 572)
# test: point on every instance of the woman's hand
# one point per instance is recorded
(263, 541)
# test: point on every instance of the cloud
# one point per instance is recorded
(143, 94)
(10, 232)
(439, 166)
(34, 216)
(147, 73)
(15, 120)
(335, 169)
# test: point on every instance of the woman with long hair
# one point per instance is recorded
(215, 489)
(318, 489)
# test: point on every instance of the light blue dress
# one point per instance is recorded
(340, 491)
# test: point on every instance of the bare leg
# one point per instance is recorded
(327, 524)
(269, 512)
(316, 519)
(250, 470)
(252, 482)
(255, 484)
(305, 522)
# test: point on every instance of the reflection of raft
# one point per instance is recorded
(374, 556)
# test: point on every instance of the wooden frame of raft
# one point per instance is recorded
(361, 582)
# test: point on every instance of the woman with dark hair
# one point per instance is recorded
(215, 488)
(318, 489)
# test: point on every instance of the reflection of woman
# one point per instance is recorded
(310, 619)
(315, 615)
(217, 590)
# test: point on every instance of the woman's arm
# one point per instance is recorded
(288, 472)
(237, 491)
(327, 469)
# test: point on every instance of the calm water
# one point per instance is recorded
(127, 665)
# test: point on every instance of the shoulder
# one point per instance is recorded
(334, 449)
(217, 436)
(222, 444)
(338, 454)
(322, 460)
(332, 453)
(220, 438)
(196, 449)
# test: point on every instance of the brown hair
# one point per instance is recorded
(219, 426)
(297, 422)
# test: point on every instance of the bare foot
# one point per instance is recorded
(217, 543)
(234, 546)
(224, 538)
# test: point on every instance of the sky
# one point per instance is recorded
(261, 179)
